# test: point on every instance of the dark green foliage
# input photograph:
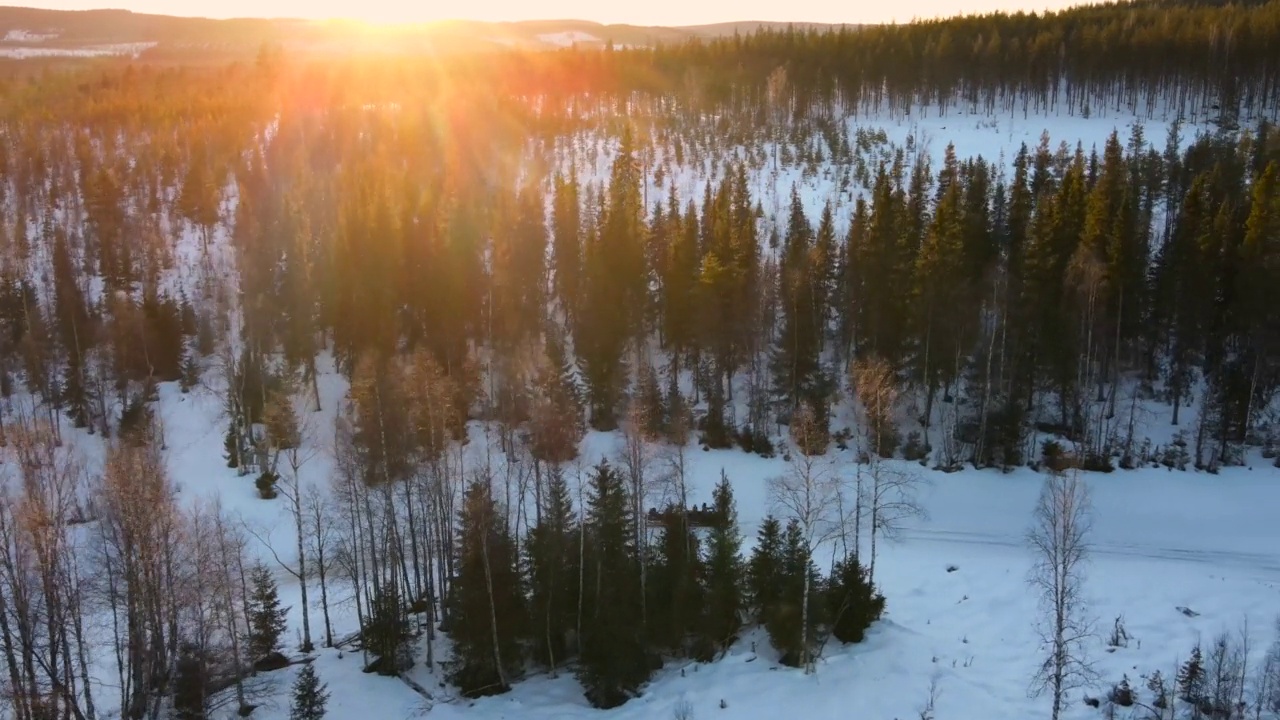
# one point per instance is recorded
(487, 613)
(799, 610)
(1054, 456)
(267, 619)
(231, 446)
(613, 662)
(675, 586)
(1193, 681)
(310, 696)
(552, 548)
(266, 484)
(385, 632)
(725, 604)
(765, 570)
(852, 601)
(716, 431)
(191, 684)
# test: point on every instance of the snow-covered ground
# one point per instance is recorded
(88, 51)
(568, 38)
(18, 35)
(1161, 540)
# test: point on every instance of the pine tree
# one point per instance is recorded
(385, 632)
(613, 662)
(552, 548)
(267, 619)
(797, 373)
(791, 636)
(765, 570)
(487, 605)
(310, 696)
(190, 684)
(675, 585)
(724, 571)
(1192, 679)
(852, 601)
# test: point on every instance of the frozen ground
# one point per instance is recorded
(1162, 540)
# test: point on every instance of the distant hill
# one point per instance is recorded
(31, 32)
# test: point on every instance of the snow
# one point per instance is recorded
(568, 38)
(1161, 540)
(19, 35)
(89, 51)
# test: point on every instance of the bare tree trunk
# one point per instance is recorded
(1059, 539)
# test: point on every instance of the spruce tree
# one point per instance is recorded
(267, 619)
(675, 587)
(613, 662)
(487, 605)
(852, 601)
(793, 637)
(1192, 679)
(385, 632)
(552, 548)
(190, 684)
(724, 606)
(310, 696)
(765, 570)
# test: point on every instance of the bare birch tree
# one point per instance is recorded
(290, 434)
(809, 493)
(1059, 540)
(891, 500)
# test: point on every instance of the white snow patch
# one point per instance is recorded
(568, 38)
(88, 51)
(18, 35)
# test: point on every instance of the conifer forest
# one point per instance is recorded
(564, 378)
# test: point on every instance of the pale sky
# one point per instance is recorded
(639, 12)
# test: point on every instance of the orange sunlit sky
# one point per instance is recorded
(639, 12)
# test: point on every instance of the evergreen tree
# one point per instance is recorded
(385, 632)
(765, 570)
(797, 372)
(676, 586)
(552, 548)
(793, 638)
(487, 603)
(613, 661)
(190, 684)
(1192, 679)
(267, 619)
(852, 601)
(310, 696)
(724, 571)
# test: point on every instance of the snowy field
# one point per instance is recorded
(1161, 541)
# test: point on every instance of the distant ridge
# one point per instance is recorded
(26, 31)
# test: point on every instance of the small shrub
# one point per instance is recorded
(853, 601)
(266, 484)
(1121, 695)
(762, 444)
(1094, 462)
(1054, 457)
(914, 449)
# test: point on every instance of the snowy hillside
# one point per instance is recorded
(577, 383)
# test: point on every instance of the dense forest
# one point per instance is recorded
(438, 230)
